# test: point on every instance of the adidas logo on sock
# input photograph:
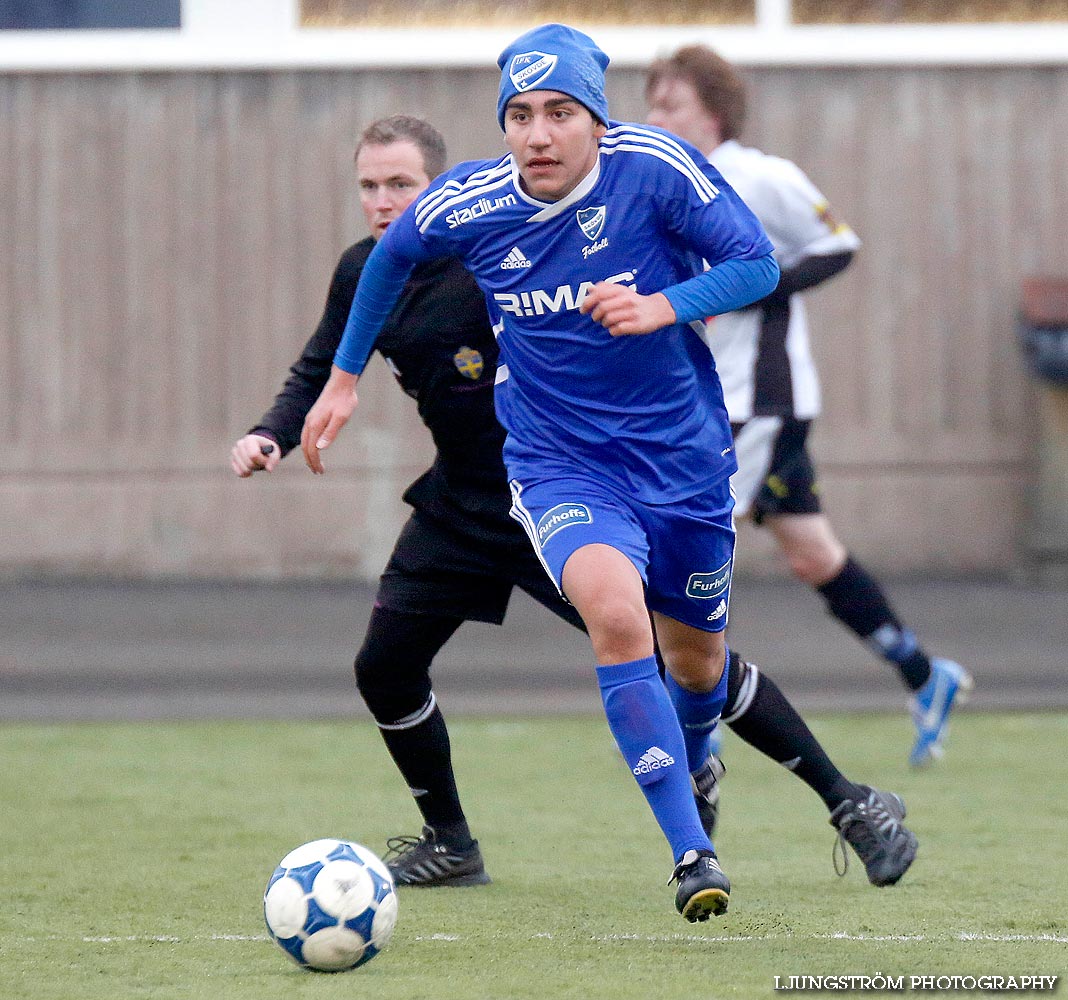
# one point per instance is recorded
(514, 260)
(652, 760)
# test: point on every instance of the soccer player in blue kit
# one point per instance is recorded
(587, 241)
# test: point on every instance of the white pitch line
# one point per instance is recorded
(1056, 939)
(165, 939)
(131, 939)
(962, 936)
(683, 938)
(900, 938)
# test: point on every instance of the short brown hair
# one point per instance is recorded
(719, 86)
(399, 128)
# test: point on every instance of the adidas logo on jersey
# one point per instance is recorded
(721, 610)
(514, 260)
(652, 760)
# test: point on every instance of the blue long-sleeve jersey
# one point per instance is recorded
(644, 411)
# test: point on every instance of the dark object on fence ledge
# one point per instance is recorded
(1043, 327)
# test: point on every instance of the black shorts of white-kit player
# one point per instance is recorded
(776, 474)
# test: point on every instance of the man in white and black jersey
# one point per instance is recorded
(770, 384)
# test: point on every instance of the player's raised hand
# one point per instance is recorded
(326, 418)
(624, 312)
(252, 453)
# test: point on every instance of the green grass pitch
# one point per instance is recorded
(135, 857)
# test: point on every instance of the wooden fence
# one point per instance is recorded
(168, 239)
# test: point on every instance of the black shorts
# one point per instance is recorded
(775, 471)
(437, 571)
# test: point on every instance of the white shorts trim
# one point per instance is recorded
(519, 513)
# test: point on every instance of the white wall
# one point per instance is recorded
(265, 34)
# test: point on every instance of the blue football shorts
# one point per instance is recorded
(684, 551)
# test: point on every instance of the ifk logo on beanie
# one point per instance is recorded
(554, 57)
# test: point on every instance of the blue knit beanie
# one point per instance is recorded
(554, 57)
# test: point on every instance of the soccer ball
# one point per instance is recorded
(330, 905)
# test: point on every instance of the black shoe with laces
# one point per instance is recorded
(704, 890)
(873, 827)
(705, 782)
(425, 862)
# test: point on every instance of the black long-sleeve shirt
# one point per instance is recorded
(439, 346)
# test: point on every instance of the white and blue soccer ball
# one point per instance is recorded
(331, 905)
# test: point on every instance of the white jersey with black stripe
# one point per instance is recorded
(764, 361)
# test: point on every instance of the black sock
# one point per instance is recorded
(423, 755)
(760, 714)
(393, 676)
(855, 598)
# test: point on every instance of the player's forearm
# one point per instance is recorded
(811, 271)
(380, 287)
(309, 373)
(284, 420)
(733, 284)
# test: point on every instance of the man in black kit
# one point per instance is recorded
(460, 554)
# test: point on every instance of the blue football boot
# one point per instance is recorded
(930, 706)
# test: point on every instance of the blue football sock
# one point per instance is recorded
(698, 713)
(646, 729)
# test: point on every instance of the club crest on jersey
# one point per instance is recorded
(469, 363)
(708, 586)
(591, 221)
(528, 69)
